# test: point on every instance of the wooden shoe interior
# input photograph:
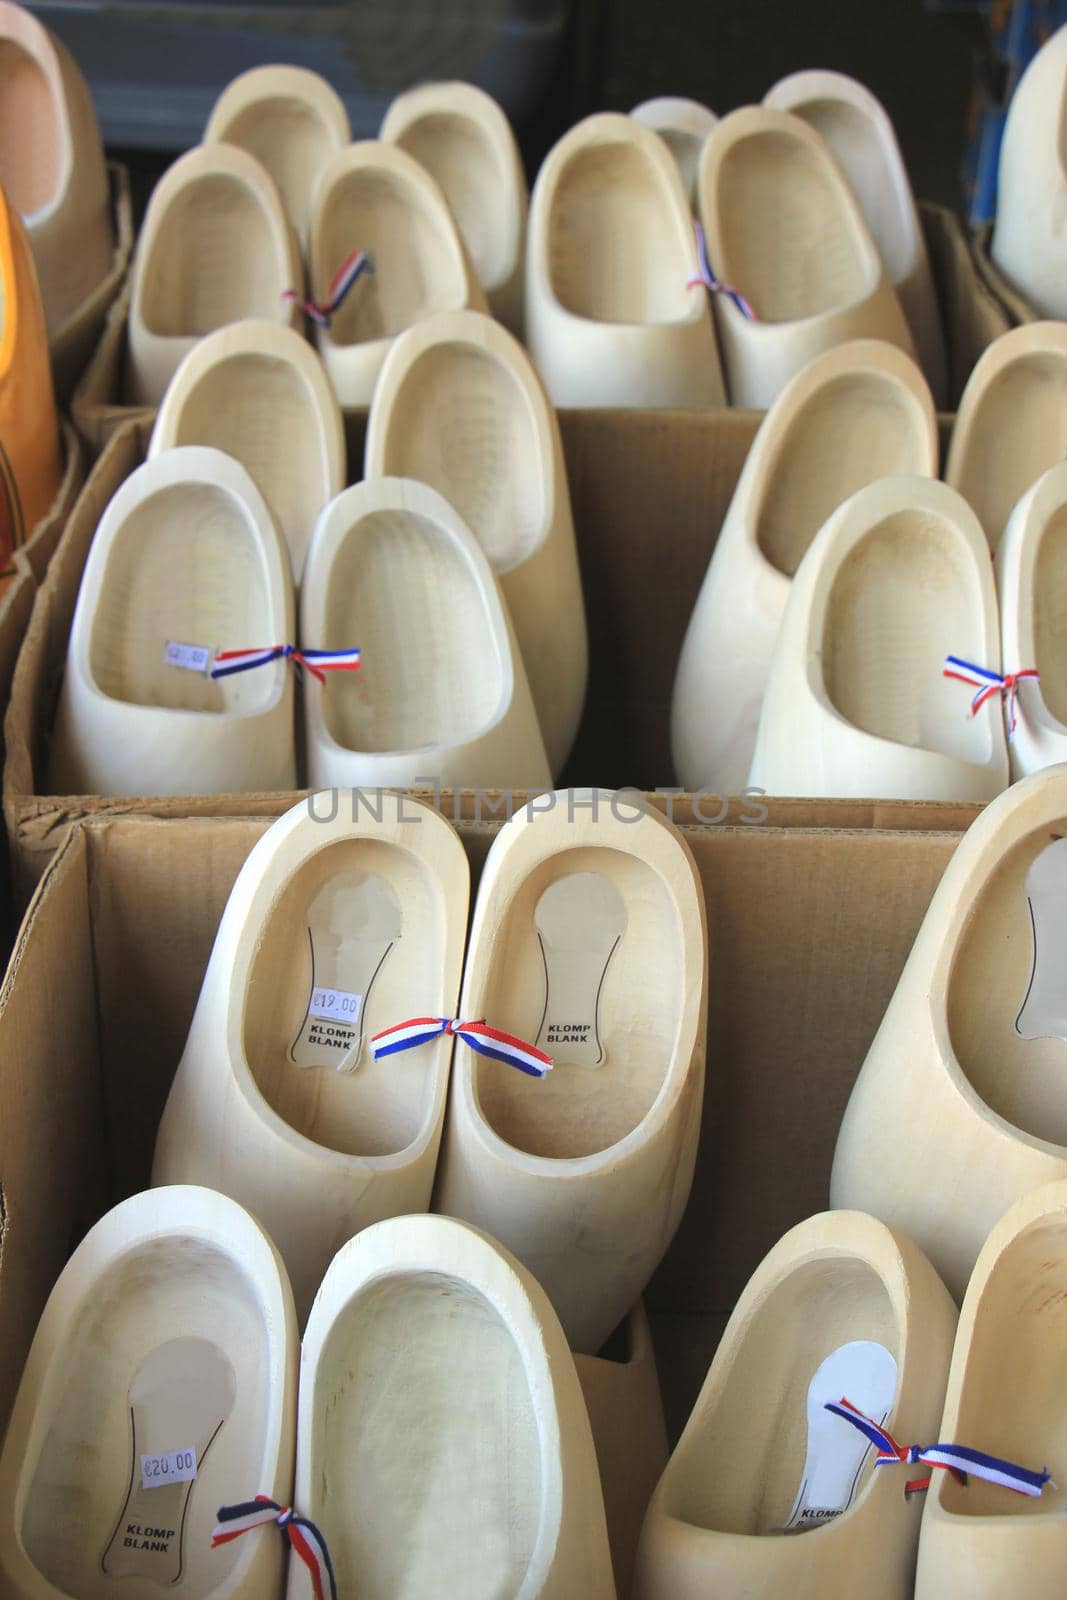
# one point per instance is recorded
(417, 269)
(1049, 599)
(186, 567)
(189, 282)
(787, 240)
(1011, 1400)
(31, 136)
(432, 674)
(747, 1457)
(130, 1389)
(853, 430)
(461, 423)
(905, 597)
(354, 944)
(459, 155)
(428, 1432)
(1018, 431)
(616, 251)
(288, 136)
(588, 966)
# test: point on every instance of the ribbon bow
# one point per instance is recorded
(988, 683)
(706, 276)
(303, 1536)
(321, 312)
(954, 1458)
(478, 1035)
(318, 662)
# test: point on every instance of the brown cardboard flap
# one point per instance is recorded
(44, 538)
(808, 932)
(73, 344)
(1016, 306)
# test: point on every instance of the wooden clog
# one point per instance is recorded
(1029, 245)
(459, 406)
(856, 413)
(683, 125)
(443, 1446)
(260, 393)
(767, 1493)
(1030, 561)
(464, 140)
(187, 561)
(785, 233)
(161, 1383)
(216, 246)
(958, 1111)
(613, 316)
(442, 694)
(589, 941)
(347, 917)
(857, 700)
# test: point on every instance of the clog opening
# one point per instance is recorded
(263, 412)
(31, 134)
(426, 1429)
(354, 944)
(616, 251)
(462, 423)
(171, 1352)
(288, 137)
(417, 268)
(853, 430)
(587, 965)
(1011, 1403)
(401, 588)
(1006, 978)
(742, 1468)
(213, 259)
(459, 155)
(789, 241)
(906, 596)
(185, 567)
(1018, 431)
(1049, 599)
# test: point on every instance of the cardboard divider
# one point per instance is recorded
(1016, 306)
(72, 345)
(808, 932)
(649, 490)
(971, 315)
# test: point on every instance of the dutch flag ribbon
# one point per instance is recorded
(305, 1539)
(478, 1035)
(955, 1458)
(321, 311)
(318, 662)
(987, 683)
(706, 276)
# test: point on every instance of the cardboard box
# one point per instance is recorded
(808, 932)
(1016, 306)
(649, 489)
(971, 315)
(73, 344)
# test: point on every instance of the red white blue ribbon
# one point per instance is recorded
(962, 1462)
(306, 1540)
(478, 1035)
(321, 312)
(713, 284)
(987, 683)
(318, 662)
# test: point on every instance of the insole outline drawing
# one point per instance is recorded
(821, 1435)
(349, 1057)
(1048, 1030)
(563, 1051)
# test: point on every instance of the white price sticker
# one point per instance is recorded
(177, 1466)
(193, 657)
(336, 1005)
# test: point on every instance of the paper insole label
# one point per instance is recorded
(580, 921)
(191, 657)
(183, 1389)
(1043, 1012)
(352, 925)
(867, 1374)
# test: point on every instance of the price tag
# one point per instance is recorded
(335, 1005)
(177, 1466)
(192, 657)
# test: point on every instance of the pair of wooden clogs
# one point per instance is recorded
(452, 568)
(848, 1429)
(325, 1044)
(430, 217)
(845, 577)
(434, 1438)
